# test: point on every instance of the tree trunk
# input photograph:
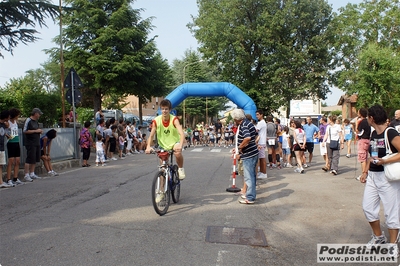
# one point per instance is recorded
(97, 100)
(140, 111)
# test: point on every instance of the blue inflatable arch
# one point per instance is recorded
(213, 89)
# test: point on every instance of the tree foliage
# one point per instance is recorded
(29, 92)
(107, 43)
(49, 104)
(363, 34)
(275, 51)
(193, 69)
(378, 77)
(18, 20)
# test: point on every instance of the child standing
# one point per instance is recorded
(121, 142)
(286, 147)
(100, 151)
(211, 136)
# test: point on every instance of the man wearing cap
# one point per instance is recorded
(32, 144)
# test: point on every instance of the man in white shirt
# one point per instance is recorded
(261, 144)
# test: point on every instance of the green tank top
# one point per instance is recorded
(167, 136)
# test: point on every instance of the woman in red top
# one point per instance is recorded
(85, 141)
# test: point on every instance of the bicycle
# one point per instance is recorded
(162, 190)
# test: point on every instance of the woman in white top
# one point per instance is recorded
(299, 146)
(333, 132)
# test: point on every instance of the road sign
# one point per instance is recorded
(77, 81)
(77, 96)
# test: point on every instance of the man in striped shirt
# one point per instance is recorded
(247, 151)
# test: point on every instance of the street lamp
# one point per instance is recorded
(184, 81)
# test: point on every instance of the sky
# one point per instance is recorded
(170, 20)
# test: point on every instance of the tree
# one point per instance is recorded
(378, 79)
(29, 92)
(107, 43)
(275, 51)
(193, 69)
(362, 33)
(18, 20)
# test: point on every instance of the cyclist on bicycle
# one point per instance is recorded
(170, 134)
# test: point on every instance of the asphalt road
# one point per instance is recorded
(104, 215)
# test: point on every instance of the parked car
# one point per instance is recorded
(117, 114)
(132, 117)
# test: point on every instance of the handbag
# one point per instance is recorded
(392, 170)
(334, 144)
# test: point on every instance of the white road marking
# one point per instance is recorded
(220, 257)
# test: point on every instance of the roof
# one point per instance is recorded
(345, 98)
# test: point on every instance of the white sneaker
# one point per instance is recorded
(34, 176)
(262, 176)
(4, 185)
(288, 165)
(10, 183)
(18, 182)
(376, 240)
(181, 173)
(113, 158)
(50, 173)
(28, 178)
(393, 250)
(159, 197)
(55, 173)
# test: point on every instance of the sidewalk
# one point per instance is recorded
(299, 211)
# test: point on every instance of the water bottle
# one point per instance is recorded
(374, 149)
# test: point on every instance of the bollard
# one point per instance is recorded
(233, 188)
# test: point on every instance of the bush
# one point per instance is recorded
(85, 114)
(48, 103)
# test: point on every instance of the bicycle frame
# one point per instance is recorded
(165, 166)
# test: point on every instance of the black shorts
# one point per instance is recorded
(85, 153)
(197, 138)
(310, 147)
(13, 150)
(296, 147)
(113, 144)
(32, 154)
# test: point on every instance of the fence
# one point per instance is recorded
(62, 147)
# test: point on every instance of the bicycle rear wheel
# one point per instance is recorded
(160, 199)
(176, 186)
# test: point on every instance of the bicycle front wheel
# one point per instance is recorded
(176, 185)
(159, 196)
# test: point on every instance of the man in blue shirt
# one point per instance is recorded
(311, 131)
